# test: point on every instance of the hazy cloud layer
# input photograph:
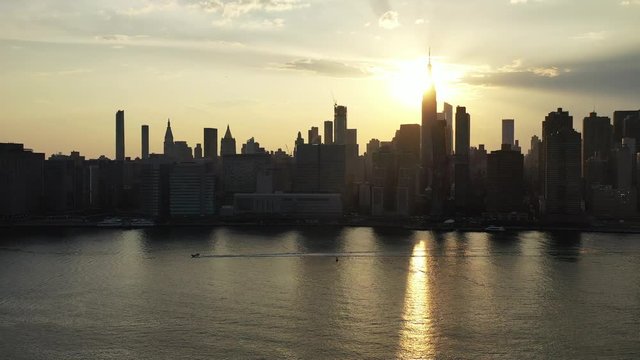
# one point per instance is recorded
(616, 74)
(327, 68)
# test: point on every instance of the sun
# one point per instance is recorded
(410, 78)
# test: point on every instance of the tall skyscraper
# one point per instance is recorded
(624, 124)
(328, 132)
(340, 124)
(429, 118)
(448, 116)
(562, 164)
(461, 165)
(505, 178)
(597, 134)
(227, 144)
(145, 141)
(211, 143)
(508, 132)
(168, 140)
(314, 135)
(120, 135)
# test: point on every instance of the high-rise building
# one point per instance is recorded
(508, 131)
(328, 132)
(505, 181)
(407, 140)
(182, 151)
(448, 116)
(320, 169)
(461, 164)
(252, 147)
(625, 124)
(21, 180)
(562, 165)
(145, 141)
(211, 143)
(314, 135)
(197, 152)
(429, 119)
(191, 189)
(168, 140)
(340, 124)
(597, 134)
(227, 144)
(120, 135)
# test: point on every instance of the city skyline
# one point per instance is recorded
(209, 64)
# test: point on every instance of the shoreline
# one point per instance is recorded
(401, 226)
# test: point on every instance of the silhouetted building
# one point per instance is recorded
(407, 140)
(64, 186)
(505, 179)
(340, 124)
(314, 136)
(21, 181)
(144, 130)
(197, 152)
(252, 147)
(562, 161)
(154, 191)
(227, 144)
(429, 120)
(508, 132)
(182, 151)
(168, 141)
(626, 123)
(211, 143)
(597, 136)
(191, 189)
(461, 164)
(320, 169)
(120, 135)
(328, 132)
(447, 111)
(240, 173)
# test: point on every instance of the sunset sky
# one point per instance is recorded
(268, 68)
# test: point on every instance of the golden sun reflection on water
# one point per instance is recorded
(415, 338)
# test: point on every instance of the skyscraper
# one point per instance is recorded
(328, 132)
(624, 122)
(168, 140)
(562, 163)
(340, 124)
(145, 141)
(211, 143)
(448, 116)
(505, 181)
(197, 151)
(461, 167)
(314, 135)
(597, 135)
(508, 132)
(120, 135)
(429, 118)
(227, 144)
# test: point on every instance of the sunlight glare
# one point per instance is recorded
(410, 79)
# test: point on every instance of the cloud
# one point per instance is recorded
(629, 2)
(419, 21)
(237, 8)
(590, 36)
(389, 20)
(327, 67)
(518, 1)
(615, 74)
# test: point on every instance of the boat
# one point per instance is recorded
(493, 228)
(197, 255)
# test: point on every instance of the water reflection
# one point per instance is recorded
(416, 336)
